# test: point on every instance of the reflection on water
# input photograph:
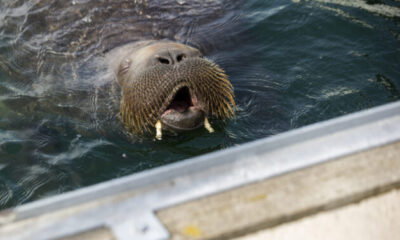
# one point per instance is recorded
(292, 63)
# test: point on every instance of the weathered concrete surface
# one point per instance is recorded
(319, 201)
(288, 197)
(372, 219)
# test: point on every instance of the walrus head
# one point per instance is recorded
(171, 85)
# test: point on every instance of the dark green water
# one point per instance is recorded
(292, 63)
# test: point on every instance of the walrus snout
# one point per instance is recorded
(175, 56)
(183, 112)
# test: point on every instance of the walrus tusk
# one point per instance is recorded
(207, 125)
(159, 130)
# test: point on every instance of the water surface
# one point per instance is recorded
(292, 63)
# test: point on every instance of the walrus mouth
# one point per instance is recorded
(183, 111)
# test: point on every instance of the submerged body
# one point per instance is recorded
(65, 43)
(292, 63)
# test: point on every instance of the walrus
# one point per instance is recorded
(165, 83)
(151, 47)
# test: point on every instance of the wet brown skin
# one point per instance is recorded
(169, 82)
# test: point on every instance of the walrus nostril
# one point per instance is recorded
(163, 60)
(180, 57)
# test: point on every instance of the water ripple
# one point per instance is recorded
(76, 150)
(291, 62)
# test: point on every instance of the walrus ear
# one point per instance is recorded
(124, 66)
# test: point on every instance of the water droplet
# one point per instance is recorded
(87, 19)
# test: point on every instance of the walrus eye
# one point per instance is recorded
(180, 57)
(163, 60)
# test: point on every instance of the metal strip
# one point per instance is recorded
(211, 173)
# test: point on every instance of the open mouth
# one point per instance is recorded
(183, 113)
(182, 101)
